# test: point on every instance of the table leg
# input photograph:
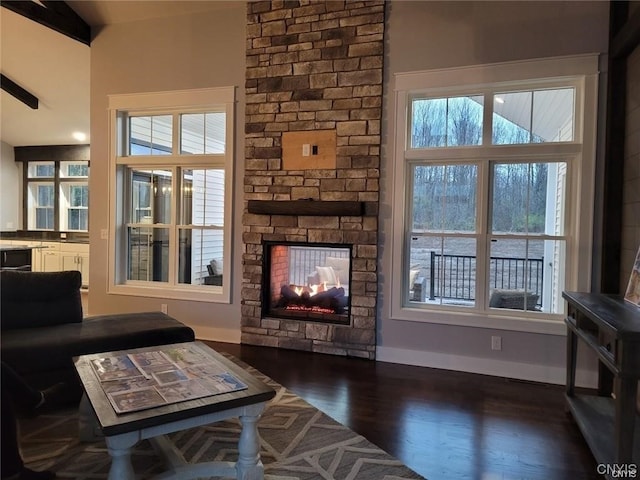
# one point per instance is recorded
(88, 428)
(249, 466)
(625, 402)
(120, 451)
(572, 349)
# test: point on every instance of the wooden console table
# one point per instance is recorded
(610, 327)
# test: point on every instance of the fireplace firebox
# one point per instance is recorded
(307, 281)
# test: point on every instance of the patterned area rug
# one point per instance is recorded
(298, 442)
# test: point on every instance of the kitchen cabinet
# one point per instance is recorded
(49, 260)
(75, 256)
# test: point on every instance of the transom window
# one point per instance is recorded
(486, 207)
(172, 196)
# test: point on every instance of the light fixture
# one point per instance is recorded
(499, 99)
(81, 137)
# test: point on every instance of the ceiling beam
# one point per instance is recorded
(55, 15)
(15, 90)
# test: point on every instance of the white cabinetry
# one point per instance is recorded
(49, 258)
(57, 256)
(75, 256)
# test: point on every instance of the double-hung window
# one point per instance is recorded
(57, 195)
(494, 202)
(171, 197)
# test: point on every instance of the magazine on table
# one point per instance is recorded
(139, 381)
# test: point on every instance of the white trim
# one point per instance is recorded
(485, 366)
(580, 71)
(178, 99)
(518, 71)
(508, 320)
(214, 334)
(175, 102)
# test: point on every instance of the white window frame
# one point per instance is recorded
(65, 203)
(174, 102)
(579, 71)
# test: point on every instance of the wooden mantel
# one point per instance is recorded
(311, 208)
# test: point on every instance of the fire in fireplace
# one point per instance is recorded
(307, 281)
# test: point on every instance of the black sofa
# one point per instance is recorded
(43, 328)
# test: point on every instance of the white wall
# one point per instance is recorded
(178, 53)
(430, 35)
(10, 189)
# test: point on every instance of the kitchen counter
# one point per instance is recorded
(44, 236)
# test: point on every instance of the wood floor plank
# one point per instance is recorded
(444, 425)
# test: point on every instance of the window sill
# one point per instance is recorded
(209, 293)
(546, 324)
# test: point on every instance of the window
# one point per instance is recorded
(57, 195)
(172, 194)
(486, 203)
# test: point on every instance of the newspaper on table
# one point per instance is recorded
(138, 381)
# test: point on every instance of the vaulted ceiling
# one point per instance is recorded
(55, 68)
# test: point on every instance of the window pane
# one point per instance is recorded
(528, 198)
(40, 212)
(200, 247)
(444, 198)
(441, 122)
(442, 270)
(150, 196)
(78, 219)
(40, 170)
(74, 169)
(44, 218)
(74, 204)
(526, 274)
(79, 195)
(202, 201)
(511, 118)
(553, 115)
(148, 254)
(535, 116)
(45, 195)
(150, 135)
(202, 133)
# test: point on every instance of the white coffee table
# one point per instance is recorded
(123, 431)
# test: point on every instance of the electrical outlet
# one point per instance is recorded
(164, 309)
(496, 343)
(306, 149)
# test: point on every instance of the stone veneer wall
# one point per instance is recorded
(313, 65)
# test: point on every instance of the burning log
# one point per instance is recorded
(333, 298)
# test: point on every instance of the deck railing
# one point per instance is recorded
(453, 276)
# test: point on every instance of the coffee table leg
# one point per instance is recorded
(88, 428)
(249, 466)
(120, 451)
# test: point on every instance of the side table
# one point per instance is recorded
(610, 327)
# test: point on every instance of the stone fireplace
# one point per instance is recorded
(314, 73)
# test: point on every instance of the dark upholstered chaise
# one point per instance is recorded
(43, 327)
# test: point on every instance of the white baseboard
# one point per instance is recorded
(213, 334)
(485, 366)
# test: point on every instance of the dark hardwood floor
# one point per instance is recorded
(444, 425)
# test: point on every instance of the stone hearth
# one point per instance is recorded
(311, 66)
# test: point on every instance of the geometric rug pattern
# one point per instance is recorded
(297, 442)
